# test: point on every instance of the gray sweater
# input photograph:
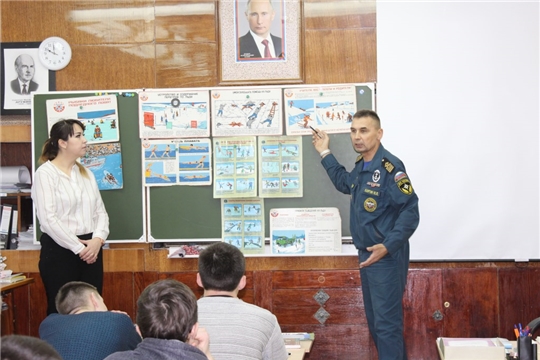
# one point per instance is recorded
(240, 331)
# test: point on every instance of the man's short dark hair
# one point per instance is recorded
(21, 347)
(221, 267)
(167, 309)
(73, 296)
(367, 113)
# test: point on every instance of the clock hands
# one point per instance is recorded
(49, 50)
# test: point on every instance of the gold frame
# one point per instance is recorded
(233, 71)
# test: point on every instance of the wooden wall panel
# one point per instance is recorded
(422, 299)
(15, 154)
(186, 65)
(349, 53)
(519, 303)
(186, 20)
(473, 308)
(336, 14)
(108, 67)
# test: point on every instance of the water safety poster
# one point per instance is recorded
(280, 164)
(174, 113)
(98, 114)
(235, 167)
(327, 107)
(242, 224)
(177, 162)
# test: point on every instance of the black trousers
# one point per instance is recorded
(58, 266)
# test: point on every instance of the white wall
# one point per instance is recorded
(458, 96)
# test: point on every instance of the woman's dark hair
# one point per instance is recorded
(61, 130)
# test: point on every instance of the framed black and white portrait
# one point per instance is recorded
(22, 75)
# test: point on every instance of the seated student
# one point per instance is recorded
(237, 330)
(167, 319)
(83, 328)
(21, 347)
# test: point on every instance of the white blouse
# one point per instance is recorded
(69, 206)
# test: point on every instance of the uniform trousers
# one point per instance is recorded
(383, 284)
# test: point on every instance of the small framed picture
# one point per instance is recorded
(22, 74)
(260, 42)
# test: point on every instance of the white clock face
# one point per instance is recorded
(54, 53)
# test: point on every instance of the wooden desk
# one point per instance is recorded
(8, 320)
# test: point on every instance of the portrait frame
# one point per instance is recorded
(11, 102)
(286, 68)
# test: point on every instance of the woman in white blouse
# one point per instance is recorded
(71, 213)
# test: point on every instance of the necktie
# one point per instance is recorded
(24, 91)
(266, 49)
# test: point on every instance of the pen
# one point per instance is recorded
(316, 132)
(516, 331)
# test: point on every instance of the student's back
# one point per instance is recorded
(89, 335)
(240, 331)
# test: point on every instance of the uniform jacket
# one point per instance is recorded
(384, 206)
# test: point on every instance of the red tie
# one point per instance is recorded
(266, 49)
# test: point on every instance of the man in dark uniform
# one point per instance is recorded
(384, 215)
(258, 43)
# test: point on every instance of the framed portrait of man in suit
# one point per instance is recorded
(260, 41)
(21, 75)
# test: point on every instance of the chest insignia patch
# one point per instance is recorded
(405, 186)
(370, 205)
(388, 165)
(376, 176)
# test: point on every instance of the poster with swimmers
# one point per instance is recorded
(280, 164)
(242, 224)
(327, 107)
(235, 167)
(245, 111)
(177, 162)
(99, 115)
(174, 113)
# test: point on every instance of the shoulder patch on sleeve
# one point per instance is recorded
(388, 165)
(403, 183)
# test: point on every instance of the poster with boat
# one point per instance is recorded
(99, 115)
(105, 162)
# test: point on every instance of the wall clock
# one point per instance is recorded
(54, 53)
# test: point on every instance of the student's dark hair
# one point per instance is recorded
(21, 347)
(221, 267)
(167, 309)
(61, 130)
(73, 296)
(368, 113)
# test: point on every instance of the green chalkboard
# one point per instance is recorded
(124, 206)
(190, 212)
